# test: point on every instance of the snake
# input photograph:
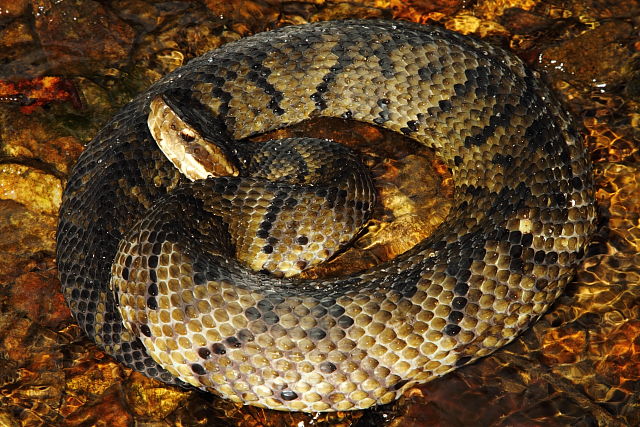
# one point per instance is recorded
(147, 259)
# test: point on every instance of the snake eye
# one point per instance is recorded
(187, 135)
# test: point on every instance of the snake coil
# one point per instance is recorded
(143, 283)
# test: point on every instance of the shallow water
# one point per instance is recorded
(67, 66)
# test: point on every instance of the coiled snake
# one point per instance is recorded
(147, 263)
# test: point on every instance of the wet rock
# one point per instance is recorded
(467, 23)
(252, 17)
(8, 372)
(18, 57)
(492, 10)
(16, 33)
(140, 12)
(25, 233)
(109, 410)
(632, 75)
(594, 58)
(38, 296)
(79, 35)
(520, 21)
(182, 32)
(345, 11)
(620, 192)
(11, 9)
(610, 146)
(93, 379)
(33, 93)
(150, 398)
(417, 8)
(37, 191)
(594, 11)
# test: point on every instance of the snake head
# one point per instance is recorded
(195, 156)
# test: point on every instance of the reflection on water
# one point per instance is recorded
(66, 66)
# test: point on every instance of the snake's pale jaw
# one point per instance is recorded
(523, 214)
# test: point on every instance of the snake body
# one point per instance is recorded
(144, 285)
